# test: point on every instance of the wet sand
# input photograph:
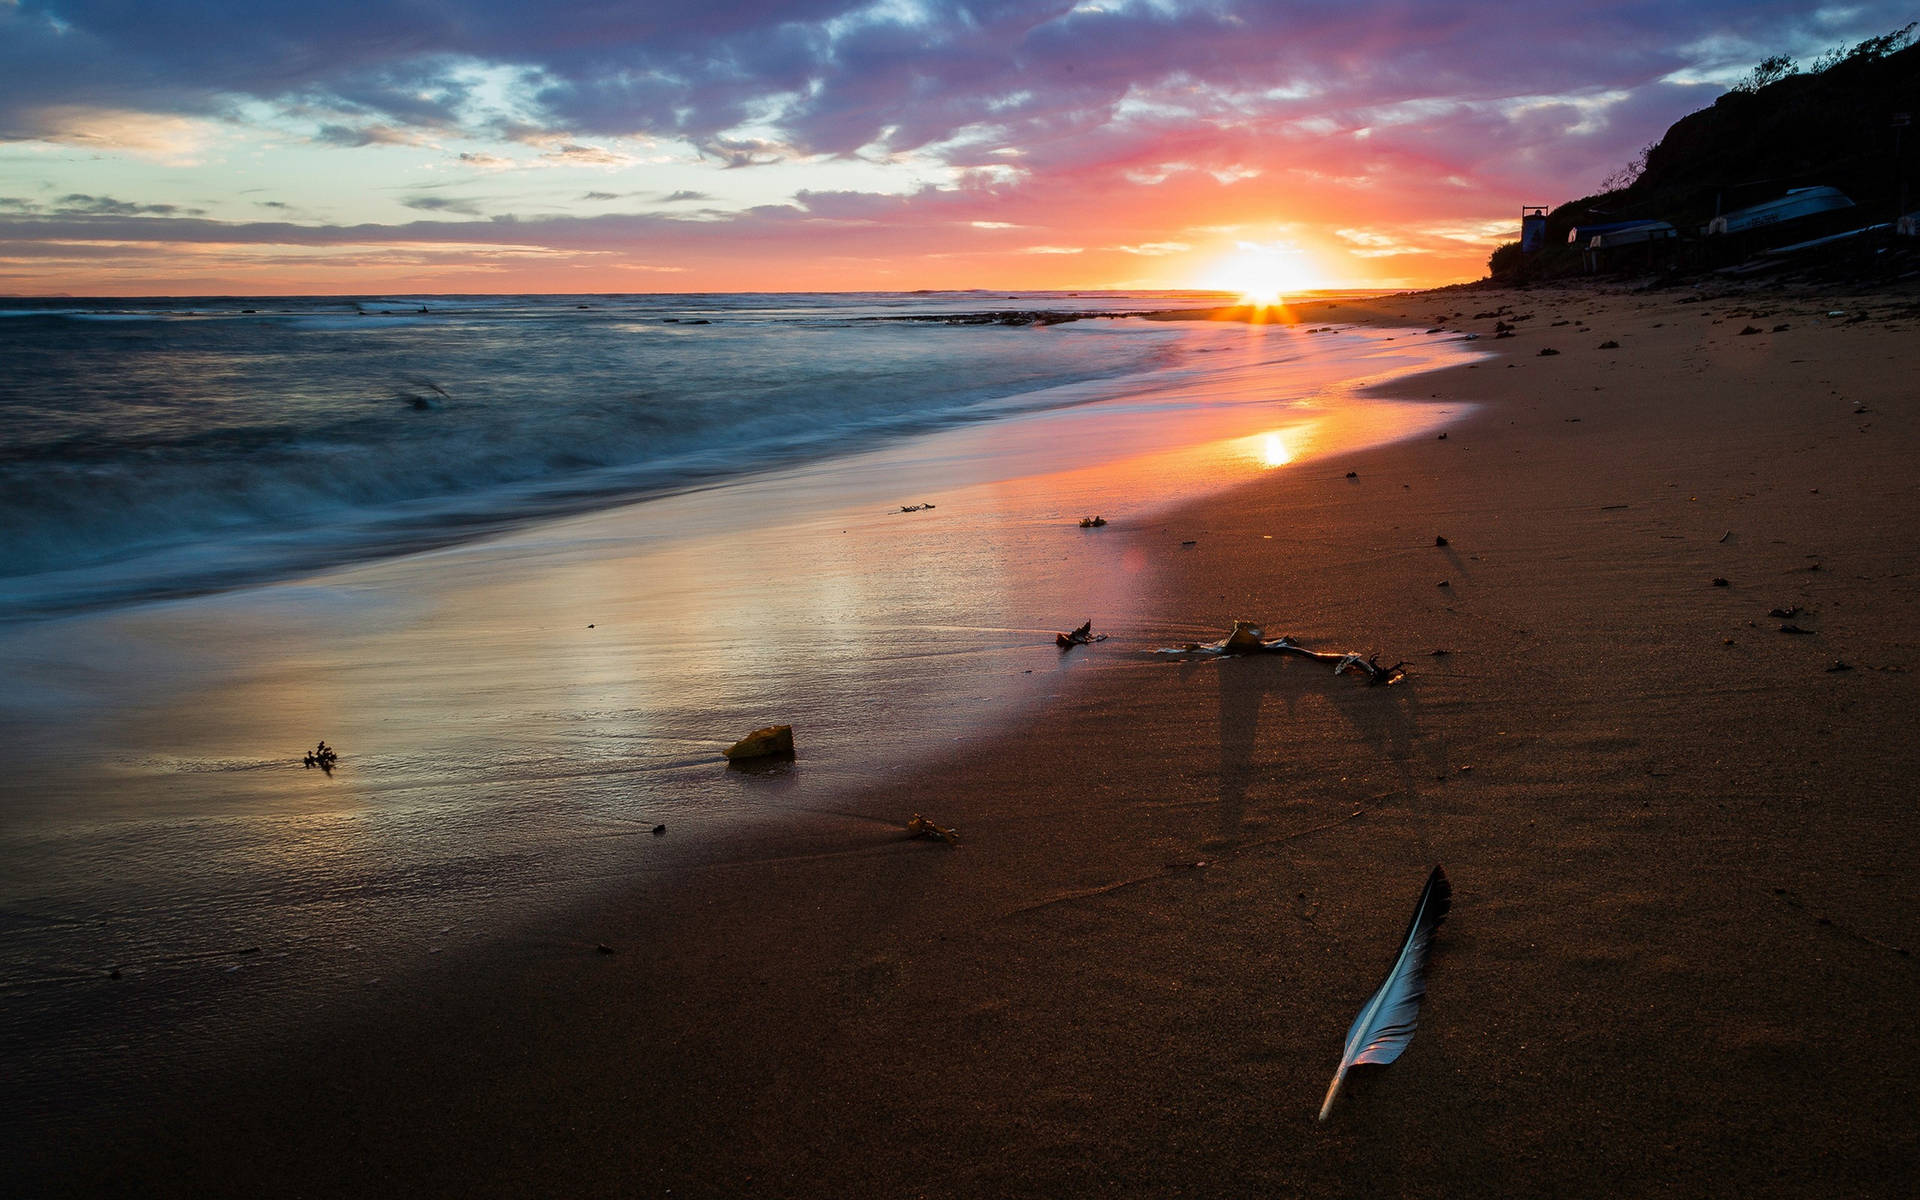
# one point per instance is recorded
(1682, 848)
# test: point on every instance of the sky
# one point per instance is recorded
(257, 147)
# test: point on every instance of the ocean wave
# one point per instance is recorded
(197, 454)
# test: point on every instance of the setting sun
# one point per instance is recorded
(1265, 273)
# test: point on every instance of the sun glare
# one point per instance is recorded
(1264, 274)
(1276, 447)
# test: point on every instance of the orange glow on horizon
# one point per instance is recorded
(1265, 274)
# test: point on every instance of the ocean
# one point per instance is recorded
(529, 564)
(168, 447)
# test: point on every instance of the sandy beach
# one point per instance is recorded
(1682, 845)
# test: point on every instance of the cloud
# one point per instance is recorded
(80, 204)
(1368, 244)
(367, 135)
(743, 152)
(447, 204)
(1106, 133)
(155, 137)
(834, 76)
(574, 155)
(487, 162)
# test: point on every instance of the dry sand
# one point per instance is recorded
(1682, 849)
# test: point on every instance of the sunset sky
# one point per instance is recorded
(213, 146)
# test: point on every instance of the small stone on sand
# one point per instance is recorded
(763, 743)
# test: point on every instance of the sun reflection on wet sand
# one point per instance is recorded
(1274, 450)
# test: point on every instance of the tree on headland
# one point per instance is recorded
(1630, 174)
(1873, 49)
(1769, 72)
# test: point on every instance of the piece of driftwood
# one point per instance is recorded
(1247, 638)
(920, 827)
(322, 756)
(1083, 636)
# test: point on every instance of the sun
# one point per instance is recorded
(1264, 273)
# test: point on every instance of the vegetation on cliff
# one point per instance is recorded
(1832, 124)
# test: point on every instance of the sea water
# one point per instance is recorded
(167, 447)
(530, 563)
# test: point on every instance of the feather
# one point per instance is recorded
(1385, 1024)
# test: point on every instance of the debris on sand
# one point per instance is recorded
(907, 508)
(920, 827)
(770, 742)
(1247, 638)
(322, 756)
(1083, 636)
(1092, 522)
(421, 394)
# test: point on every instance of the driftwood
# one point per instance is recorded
(322, 756)
(1246, 638)
(1083, 636)
(920, 827)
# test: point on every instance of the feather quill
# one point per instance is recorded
(1385, 1024)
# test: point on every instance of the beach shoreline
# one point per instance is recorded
(1682, 847)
